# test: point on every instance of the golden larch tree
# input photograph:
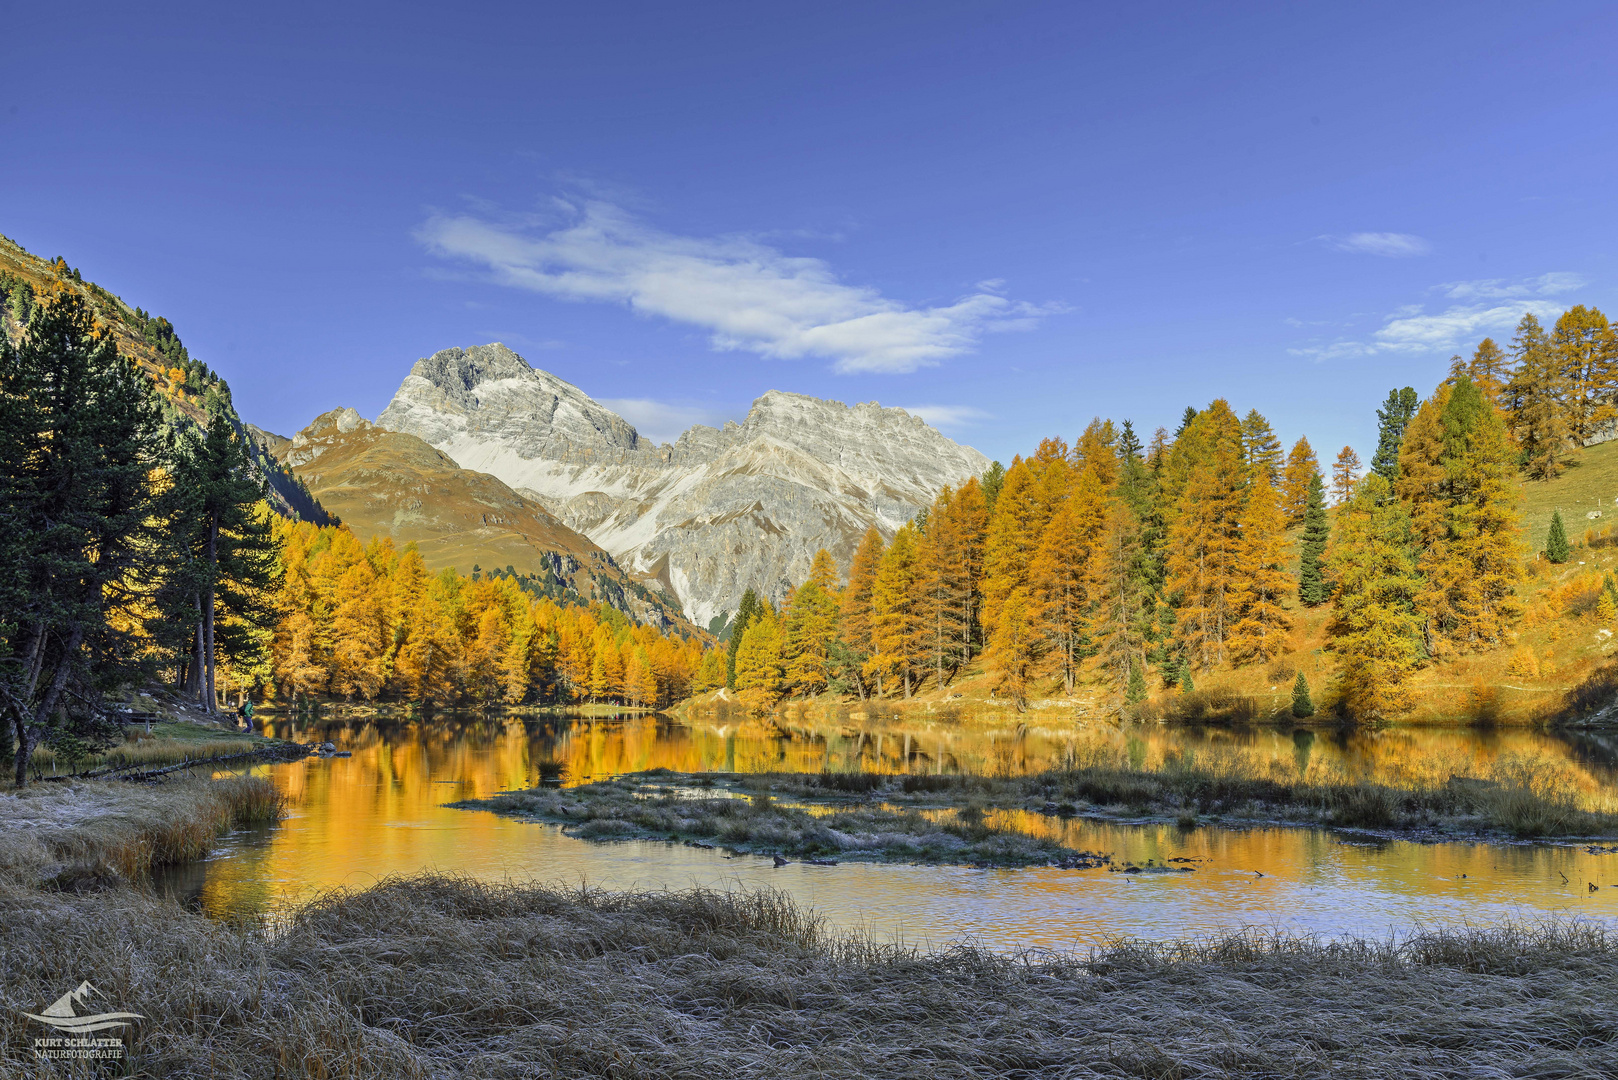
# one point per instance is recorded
(1301, 468)
(1374, 627)
(1058, 585)
(898, 618)
(1204, 535)
(1455, 479)
(1262, 581)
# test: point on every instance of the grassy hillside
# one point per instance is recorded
(1590, 485)
(383, 482)
(184, 384)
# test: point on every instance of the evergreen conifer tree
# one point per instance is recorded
(1313, 589)
(1187, 686)
(993, 477)
(1186, 419)
(1557, 549)
(1392, 419)
(746, 611)
(78, 440)
(1129, 446)
(1302, 704)
(1135, 692)
(220, 556)
(1262, 448)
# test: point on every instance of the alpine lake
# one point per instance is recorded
(382, 811)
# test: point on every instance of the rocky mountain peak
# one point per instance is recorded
(456, 395)
(723, 510)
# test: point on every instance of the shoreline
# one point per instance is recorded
(436, 975)
(661, 805)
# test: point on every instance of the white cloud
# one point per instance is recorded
(1498, 307)
(1501, 289)
(747, 295)
(949, 416)
(663, 421)
(1457, 326)
(1390, 245)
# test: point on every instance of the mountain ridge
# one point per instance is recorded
(382, 482)
(717, 511)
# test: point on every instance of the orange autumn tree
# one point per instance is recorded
(1261, 579)
(1300, 469)
(1455, 479)
(898, 616)
(371, 623)
(809, 627)
(1059, 577)
(1205, 535)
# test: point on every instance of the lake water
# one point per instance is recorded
(357, 819)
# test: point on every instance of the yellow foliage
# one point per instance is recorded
(1523, 663)
(1579, 596)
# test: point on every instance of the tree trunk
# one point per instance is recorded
(25, 748)
(208, 615)
(28, 734)
(193, 676)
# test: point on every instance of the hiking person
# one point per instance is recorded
(245, 711)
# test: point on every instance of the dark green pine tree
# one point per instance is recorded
(1129, 446)
(1186, 685)
(221, 565)
(1135, 692)
(1189, 415)
(748, 612)
(994, 477)
(1302, 704)
(1313, 588)
(1556, 546)
(78, 438)
(1392, 419)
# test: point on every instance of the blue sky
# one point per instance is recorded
(1010, 216)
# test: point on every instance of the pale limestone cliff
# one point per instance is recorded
(717, 512)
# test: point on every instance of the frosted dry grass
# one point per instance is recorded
(448, 977)
(88, 834)
(643, 807)
(1519, 797)
(151, 752)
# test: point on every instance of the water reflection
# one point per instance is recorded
(381, 812)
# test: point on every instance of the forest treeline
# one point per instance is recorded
(368, 622)
(1161, 561)
(137, 546)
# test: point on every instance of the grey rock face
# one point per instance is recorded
(722, 509)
